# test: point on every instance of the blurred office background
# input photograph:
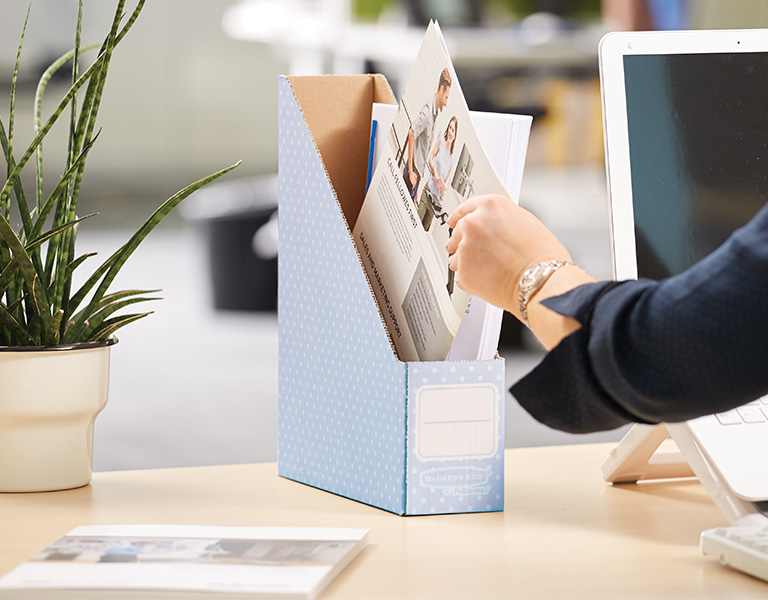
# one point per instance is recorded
(193, 88)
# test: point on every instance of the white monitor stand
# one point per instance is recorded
(637, 457)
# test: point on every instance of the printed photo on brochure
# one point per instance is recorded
(431, 162)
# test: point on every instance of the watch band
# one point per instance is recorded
(531, 281)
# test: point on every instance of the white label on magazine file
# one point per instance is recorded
(455, 422)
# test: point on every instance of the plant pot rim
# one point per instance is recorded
(111, 341)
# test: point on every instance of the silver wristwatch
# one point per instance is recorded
(531, 281)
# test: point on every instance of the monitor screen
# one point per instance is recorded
(698, 143)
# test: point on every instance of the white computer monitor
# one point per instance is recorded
(686, 135)
(686, 124)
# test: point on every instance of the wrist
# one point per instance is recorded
(531, 282)
(549, 326)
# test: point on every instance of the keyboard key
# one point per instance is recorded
(751, 414)
(729, 418)
(743, 548)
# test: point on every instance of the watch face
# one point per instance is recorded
(531, 276)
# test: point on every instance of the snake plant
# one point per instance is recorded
(39, 305)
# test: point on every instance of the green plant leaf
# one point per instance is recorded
(5, 190)
(10, 166)
(75, 69)
(40, 298)
(9, 270)
(18, 335)
(39, 93)
(109, 327)
(96, 322)
(61, 187)
(14, 81)
(66, 247)
(109, 269)
(80, 322)
(78, 261)
(20, 197)
(43, 237)
(26, 267)
(52, 333)
(56, 198)
(13, 265)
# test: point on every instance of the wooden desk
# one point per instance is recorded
(564, 533)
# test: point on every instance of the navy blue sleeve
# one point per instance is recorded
(672, 350)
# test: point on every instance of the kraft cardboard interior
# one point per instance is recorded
(412, 438)
(337, 111)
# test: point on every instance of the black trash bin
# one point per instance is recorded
(239, 224)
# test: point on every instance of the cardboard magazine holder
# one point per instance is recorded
(409, 437)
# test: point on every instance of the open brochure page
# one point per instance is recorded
(505, 140)
(255, 561)
(432, 161)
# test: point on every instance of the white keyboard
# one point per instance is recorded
(752, 412)
(743, 548)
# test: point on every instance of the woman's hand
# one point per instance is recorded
(493, 241)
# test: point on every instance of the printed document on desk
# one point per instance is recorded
(432, 161)
(177, 561)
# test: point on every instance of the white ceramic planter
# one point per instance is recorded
(49, 399)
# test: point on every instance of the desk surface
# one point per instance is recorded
(564, 533)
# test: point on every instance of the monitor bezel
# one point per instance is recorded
(612, 49)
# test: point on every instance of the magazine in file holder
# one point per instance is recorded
(638, 457)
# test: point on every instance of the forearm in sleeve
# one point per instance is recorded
(649, 351)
